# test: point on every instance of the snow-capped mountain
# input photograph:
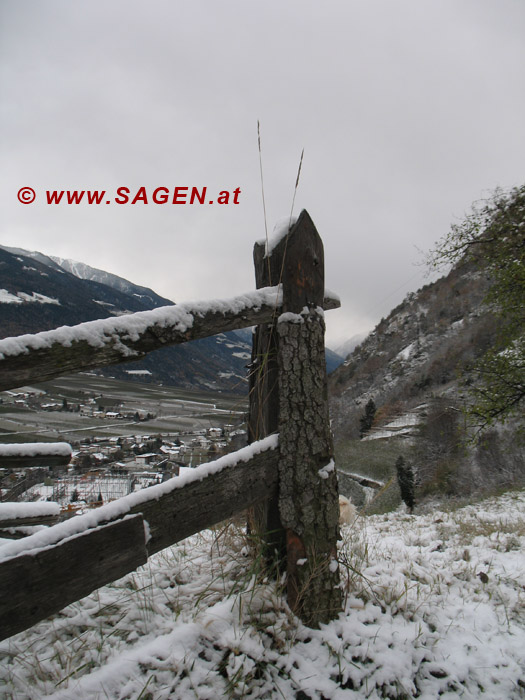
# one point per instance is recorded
(344, 349)
(86, 272)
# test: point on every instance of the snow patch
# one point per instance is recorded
(290, 317)
(36, 449)
(281, 229)
(11, 511)
(325, 471)
(8, 298)
(406, 352)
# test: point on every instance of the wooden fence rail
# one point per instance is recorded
(50, 569)
(292, 475)
(94, 344)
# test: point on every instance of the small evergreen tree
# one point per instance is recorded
(367, 419)
(406, 481)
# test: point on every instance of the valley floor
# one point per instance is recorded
(434, 607)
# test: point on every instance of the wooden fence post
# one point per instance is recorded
(263, 412)
(308, 493)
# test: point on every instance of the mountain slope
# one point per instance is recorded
(414, 368)
(417, 350)
(65, 299)
(333, 360)
(37, 294)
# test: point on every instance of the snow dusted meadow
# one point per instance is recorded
(434, 608)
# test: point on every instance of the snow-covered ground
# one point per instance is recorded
(434, 607)
(402, 425)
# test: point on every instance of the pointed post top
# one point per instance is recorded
(297, 261)
(303, 267)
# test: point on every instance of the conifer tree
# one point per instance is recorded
(406, 481)
(366, 421)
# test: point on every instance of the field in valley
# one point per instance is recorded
(174, 410)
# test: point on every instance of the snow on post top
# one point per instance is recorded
(280, 230)
(332, 295)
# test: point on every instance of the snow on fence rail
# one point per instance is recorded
(40, 454)
(288, 476)
(21, 511)
(19, 519)
(49, 354)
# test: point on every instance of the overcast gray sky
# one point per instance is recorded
(408, 111)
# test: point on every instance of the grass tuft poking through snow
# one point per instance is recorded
(433, 609)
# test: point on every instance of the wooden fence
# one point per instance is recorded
(286, 473)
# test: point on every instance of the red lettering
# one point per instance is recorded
(122, 192)
(160, 195)
(54, 197)
(74, 197)
(95, 197)
(164, 198)
(176, 195)
(141, 196)
(195, 195)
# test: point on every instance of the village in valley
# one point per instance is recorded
(124, 437)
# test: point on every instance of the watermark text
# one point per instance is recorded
(137, 195)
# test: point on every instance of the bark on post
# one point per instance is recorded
(308, 493)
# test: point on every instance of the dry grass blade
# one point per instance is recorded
(296, 186)
(262, 181)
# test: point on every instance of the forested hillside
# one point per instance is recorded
(418, 386)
